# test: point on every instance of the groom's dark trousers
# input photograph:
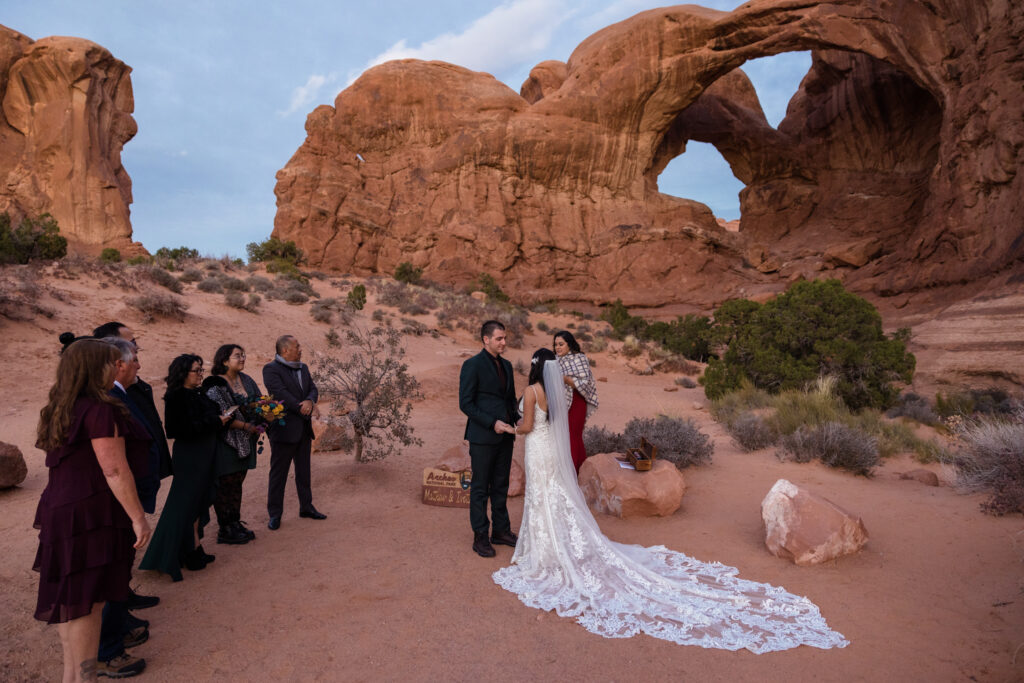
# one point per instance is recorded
(487, 394)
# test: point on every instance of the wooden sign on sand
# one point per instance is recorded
(445, 488)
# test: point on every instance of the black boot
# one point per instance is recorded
(205, 555)
(195, 560)
(232, 534)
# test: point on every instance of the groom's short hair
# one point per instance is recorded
(488, 328)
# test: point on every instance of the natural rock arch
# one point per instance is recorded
(552, 187)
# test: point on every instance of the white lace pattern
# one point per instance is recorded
(564, 563)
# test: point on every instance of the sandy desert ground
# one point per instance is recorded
(388, 589)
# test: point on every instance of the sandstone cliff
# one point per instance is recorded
(897, 164)
(65, 114)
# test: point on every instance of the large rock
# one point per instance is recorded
(13, 469)
(612, 490)
(66, 113)
(897, 164)
(456, 459)
(806, 528)
(329, 437)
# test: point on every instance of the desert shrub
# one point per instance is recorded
(990, 401)
(914, 407)
(377, 316)
(413, 327)
(602, 440)
(816, 406)
(110, 255)
(212, 266)
(688, 336)
(176, 254)
(333, 338)
(294, 297)
(284, 285)
(598, 345)
(543, 326)
(235, 299)
(631, 347)
(139, 260)
(406, 272)
(211, 285)
(678, 440)
(991, 461)
(254, 302)
(357, 297)
(685, 382)
(34, 239)
(375, 386)
(813, 329)
(465, 312)
(732, 405)
(162, 278)
(323, 310)
(751, 432)
(273, 250)
(191, 274)
(258, 283)
(157, 305)
(488, 285)
(234, 284)
(412, 308)
(287, 270)
(20, 293)
(393, 294)
(835, 444)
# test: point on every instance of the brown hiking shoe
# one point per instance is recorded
(137, 636)
(122, 666)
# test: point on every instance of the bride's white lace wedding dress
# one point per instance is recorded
(563, 562)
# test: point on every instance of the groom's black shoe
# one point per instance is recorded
(312, 513)
(482, 547)
(505, 538)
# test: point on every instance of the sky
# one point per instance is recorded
(222, 89)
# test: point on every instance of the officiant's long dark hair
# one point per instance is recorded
(540, 356)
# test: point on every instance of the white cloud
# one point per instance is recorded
(509, 35)
(306, 94)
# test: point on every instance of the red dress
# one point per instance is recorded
(85, 551)
(577, 419)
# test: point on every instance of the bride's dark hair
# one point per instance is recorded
(540, 356)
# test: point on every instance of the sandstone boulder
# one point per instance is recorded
(13, 469)
(329, 436)
(625, 493)
(66, 114)
(806, 528)
(456, 459)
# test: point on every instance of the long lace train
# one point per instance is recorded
(563, 562)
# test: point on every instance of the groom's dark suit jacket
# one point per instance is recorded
(282, 383)
(484, 400)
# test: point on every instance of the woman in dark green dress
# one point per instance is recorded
(195, 423)
(230, 388)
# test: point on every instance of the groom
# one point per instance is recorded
(487, 395)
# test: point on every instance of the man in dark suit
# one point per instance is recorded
(487, 395)
(288, 381)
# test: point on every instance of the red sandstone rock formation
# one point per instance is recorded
(897, 163)
(65, 115)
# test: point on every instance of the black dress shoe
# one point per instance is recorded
(132, 621)
(136, 601)
(482, 547)
(195, 561)
(274, 524)
(246, 530)
(312, 513)
(232, 535)
(207, 557)
(505, 538)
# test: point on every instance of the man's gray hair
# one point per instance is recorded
(283, 342)
(127, 349)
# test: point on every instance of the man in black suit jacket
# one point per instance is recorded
(487, 395)
(288, 381)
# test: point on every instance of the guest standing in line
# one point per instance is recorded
(287, 379)
(195, 423)
(230, 388)
(580, 391)
(89, 517)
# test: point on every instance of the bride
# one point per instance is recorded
(563, 562)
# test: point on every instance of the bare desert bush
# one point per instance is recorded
(678, 440)
(234, 284)
(330, 309)
(258, 283)
(191, 274)
(374, 386)
(465, 312)
(598, 345)
(158, 305)
(20, 293)
(161, 277)
(991, 461)
(969, 402)
(835, 444)
(211, 285)
(413, 327)
(631, 347)
(752, 432)
(685, 382)
(673, 363)
(915, 407)
(235, 299)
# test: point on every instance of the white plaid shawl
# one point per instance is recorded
(577, 366)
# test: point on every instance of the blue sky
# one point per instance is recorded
(222, 89)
